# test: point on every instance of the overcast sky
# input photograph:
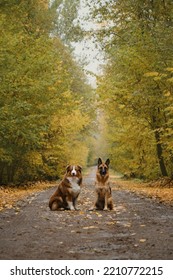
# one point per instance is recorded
(86, 50)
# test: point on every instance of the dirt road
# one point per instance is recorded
(138, 228)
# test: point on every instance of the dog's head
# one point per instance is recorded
(103, 167)
(74, 171)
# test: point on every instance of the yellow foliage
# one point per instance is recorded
(169, 69)
(78, 153)
(167, 93)
(34, 158)
(151, 74)
(170, 80)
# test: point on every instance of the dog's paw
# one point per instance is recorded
(91, 209)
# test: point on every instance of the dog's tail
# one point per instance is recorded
(55, 203)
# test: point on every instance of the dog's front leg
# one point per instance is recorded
(74, 204)
(70, 203)
(94, 206)
(106, 201)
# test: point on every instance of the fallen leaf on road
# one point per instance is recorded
(142, 240)
(127, 225)
(98, 214)
(111, 223)
(90, 227)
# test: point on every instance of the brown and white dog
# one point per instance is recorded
(102, 187)
(68, 190)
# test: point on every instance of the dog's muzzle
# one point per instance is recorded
(103, 172)
(73, 172)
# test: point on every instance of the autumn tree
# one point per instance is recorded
(136, 88)
(67, 26)
(44, 97)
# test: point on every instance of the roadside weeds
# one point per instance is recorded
(155, 191)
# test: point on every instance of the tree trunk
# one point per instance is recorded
(10, 173)
(1, 173)
(160, 154)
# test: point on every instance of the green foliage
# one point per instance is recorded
(67, 26)
(136, 87)
(44, 99)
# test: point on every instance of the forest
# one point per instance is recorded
(136, 88)
(51, 116)
(46, 104)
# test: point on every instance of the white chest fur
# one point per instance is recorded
(74, 184)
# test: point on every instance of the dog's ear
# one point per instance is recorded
(99, 161)
(107, 162)
(68, 168)
(79, 167)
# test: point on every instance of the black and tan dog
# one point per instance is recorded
(65, 197)
(102, 187)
